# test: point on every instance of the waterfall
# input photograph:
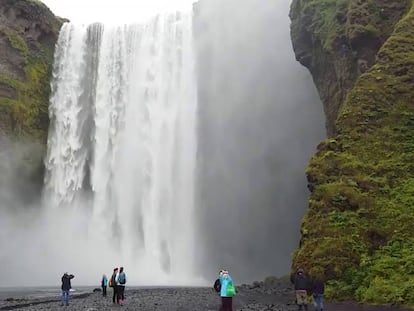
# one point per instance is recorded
(122, 140)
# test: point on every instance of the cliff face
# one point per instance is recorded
(337, 40)
(358, 232)
(28, 33)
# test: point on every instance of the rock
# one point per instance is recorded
(338, 51)
(97, 290)
(255, 284)
(28, 34)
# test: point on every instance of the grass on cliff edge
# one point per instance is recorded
(337, 22)
(359, 230)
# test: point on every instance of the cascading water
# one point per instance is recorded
(122, 142)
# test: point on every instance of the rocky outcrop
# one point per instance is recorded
(358, 233)
(338, 41)
(28, 33)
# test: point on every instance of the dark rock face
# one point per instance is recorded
(338, 40)
(357, 232)
(28, 33)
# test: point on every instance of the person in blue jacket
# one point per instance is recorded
(227, 291)
(121, 281)
(104, 285)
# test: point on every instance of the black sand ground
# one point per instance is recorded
(182, 299)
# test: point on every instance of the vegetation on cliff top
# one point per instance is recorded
(337, 22)
(358, 233)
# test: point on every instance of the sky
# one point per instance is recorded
(114, 11)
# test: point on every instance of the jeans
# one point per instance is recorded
(318, 301)
(65, 297)
(115, 295)
(120, 292)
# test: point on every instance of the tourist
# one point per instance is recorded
(318, 290)
(301, 283)
(227, 291)
(217, 285)
(112, 283)
(66, 286)
(121, 281)
(104, 284)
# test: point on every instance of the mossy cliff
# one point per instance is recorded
(358, 233)
(28, 33)
(338, 40)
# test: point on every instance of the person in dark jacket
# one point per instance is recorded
(318, 290)
(104, 284)
(301, 283)
(66, 286)
(217, 285)
(114, 285)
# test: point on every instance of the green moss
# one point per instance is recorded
(337, 22)
(28, 107)
(10, 81)
(32, 98)
(326, 16)
(16, 41)
(359, 226)
(391, 266)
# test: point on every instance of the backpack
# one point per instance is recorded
(217, 286)
(111, 281)
(121, 278)
(230, 290)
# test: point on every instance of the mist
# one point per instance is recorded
(257, 122)
(31, 238)
(260, 120)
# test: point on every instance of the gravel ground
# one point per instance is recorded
(258, 297)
